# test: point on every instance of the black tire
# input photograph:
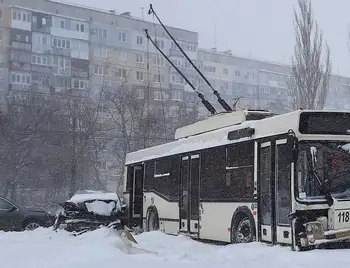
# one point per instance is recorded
(31, 224)
(152, 223)
(242, 229)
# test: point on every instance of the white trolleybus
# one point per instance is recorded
(248, 175)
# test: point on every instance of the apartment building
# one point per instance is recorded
(56, 46)
(48, 47)
(258, 84)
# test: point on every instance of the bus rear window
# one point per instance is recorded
(332, 123)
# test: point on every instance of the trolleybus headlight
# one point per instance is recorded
(309, 228)
(311, 239)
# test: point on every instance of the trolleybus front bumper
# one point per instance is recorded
(315, 235)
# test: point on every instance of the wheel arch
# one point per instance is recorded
(27, 220)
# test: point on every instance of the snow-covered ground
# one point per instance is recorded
(44, 248)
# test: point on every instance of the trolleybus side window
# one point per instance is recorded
(161, 181)
(130, 171)
(212, 179)
(227, 173)
(149, 175)
(239, 170)
(161, 176)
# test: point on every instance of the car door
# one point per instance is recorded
(10, 218)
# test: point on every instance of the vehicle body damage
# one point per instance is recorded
(89, 210)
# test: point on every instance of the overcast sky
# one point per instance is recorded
(261, 29)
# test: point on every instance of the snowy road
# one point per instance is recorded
(45, 248)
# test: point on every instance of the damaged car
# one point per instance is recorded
(88, 210)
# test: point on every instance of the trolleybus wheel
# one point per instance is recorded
(152, 220)
(242, 230)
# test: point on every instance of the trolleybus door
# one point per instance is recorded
(274, 192)
(189, 194)
(283, 201)
(265, 193)
(137, 191)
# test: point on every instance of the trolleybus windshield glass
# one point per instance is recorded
(332, 165)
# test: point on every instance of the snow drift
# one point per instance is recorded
(101, 248)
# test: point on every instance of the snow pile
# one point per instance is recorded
(97, 197)
(44, 248)
(93, 195)
(100, 207)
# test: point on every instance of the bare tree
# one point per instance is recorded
(309, 84)
(127, 119)
(278, 106)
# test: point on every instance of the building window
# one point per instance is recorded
(177, 79)
(159, 78)
(1, 35)
(159, 61)
(40, 60)
(140, 93)
(200, 81)
(20, 78)
(237, 73)
(23, 16)
(122, 37)
(101, 52)
(264, 89)
(80, 46)
(176, 62)
(80, 84)
(0, 13)
(211, 69)
(139, 76)
(99, 70)
(61, 43)
(15, 15)
(101, 33)
(44, 40)
(225, 86)
(139, 58)
(61, 65)
(122, 55)
(160, 43)
(177, 95)
(121, 73)
(157, 95)
(139, 40)
(225, 71)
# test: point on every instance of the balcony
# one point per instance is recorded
(80, 73)
(21, 45)
(41, 69)
(15, 65)
(61, 51)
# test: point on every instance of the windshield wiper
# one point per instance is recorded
(323, 187)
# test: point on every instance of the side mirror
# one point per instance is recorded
(292, 148)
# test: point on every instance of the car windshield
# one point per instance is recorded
(332, 166)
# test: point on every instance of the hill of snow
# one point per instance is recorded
(44, 248)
